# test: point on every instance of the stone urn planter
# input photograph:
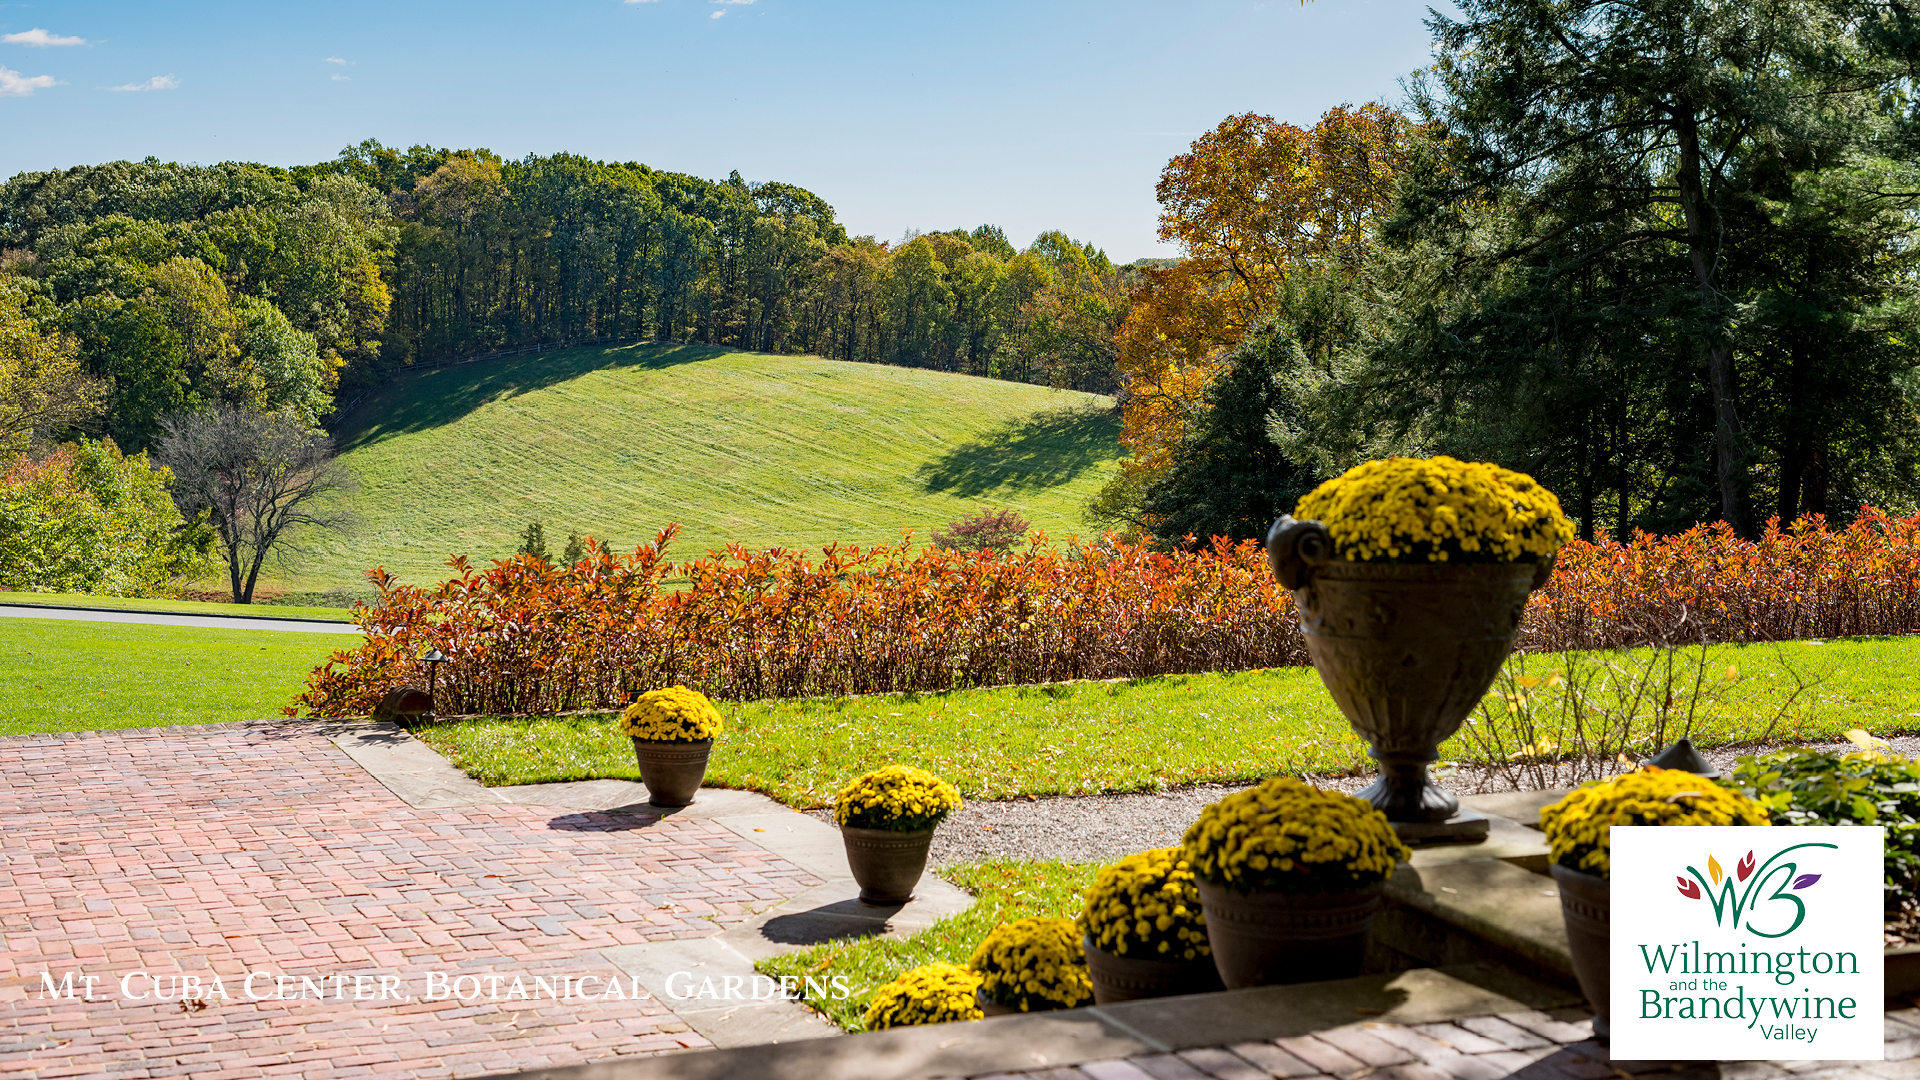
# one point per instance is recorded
(1269, 938)
(1586, 904)
(886, 864)
(1128, 978)
(672, 770)
(1407, 652)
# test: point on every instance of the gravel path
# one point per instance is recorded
(1102, 828)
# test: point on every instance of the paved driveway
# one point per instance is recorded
(148, 857)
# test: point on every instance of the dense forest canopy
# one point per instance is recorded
(1663, 256)
(285, 289)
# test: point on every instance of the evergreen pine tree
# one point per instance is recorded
(534, 541)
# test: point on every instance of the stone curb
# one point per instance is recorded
(1077, 1036)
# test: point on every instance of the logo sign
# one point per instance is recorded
(1736, 943)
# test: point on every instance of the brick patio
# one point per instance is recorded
(1526, 1046)
(237, 848)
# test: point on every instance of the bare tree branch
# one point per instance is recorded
(258, 475)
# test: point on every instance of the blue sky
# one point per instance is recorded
(904, 116)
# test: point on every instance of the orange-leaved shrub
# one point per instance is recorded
(527, 637)
(1803, 580)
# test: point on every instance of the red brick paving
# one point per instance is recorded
(236, 848)
(1514, 1046)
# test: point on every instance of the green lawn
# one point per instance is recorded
(1006, 890)
(736, 447)
(183, 607)
(59, 675)
(1148, 733)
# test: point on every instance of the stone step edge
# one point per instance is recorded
(1078, 1036)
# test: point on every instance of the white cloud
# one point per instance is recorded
(336, 60)
(158, 82)
(14, 84)
(40, 39)
(717, 14)
(343, 78)
(730, 1)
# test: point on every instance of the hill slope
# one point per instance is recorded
(746, 447)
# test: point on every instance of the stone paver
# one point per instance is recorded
(1515, 1046)
(260, 849)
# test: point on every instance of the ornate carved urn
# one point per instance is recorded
(1407, 651)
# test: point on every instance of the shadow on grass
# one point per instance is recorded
(419, 401)
(1040, 451)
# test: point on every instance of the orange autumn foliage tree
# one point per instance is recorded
(1252, 201)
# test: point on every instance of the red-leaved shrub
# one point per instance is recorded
(1804, 580)
(524, 636)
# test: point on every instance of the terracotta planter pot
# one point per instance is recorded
(1128, 978)
(672, 771)
(1586, 903)
(1265, 939)
(1406, 651)
(887, 864)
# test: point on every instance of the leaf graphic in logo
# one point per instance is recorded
(1713, 867)
(1805, 880)
(1745, 866)
(1689, 888)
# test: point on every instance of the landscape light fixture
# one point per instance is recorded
(1682, 756)
(433, 658)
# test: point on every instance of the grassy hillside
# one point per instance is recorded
(745, 447)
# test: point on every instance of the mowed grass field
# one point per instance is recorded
(1144, 734)
(58, 675)
(177, 607)
(751, 448)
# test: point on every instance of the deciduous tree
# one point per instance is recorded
(258, 476)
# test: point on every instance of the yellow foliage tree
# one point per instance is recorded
(43, 386)
(1252, 200)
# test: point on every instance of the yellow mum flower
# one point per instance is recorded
(897, 797)
(1437, 509)
(675, 714)
(934, 994)
(1034, 965)
(1298, 838)
(1128, 912)
(1579, 827)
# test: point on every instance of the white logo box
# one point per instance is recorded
(1735, 943)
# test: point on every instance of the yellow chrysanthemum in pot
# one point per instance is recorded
(1437, 509)
(1146, 907)
(933, 994)
(1579, 826)
(1031, 965)
(675, 714)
